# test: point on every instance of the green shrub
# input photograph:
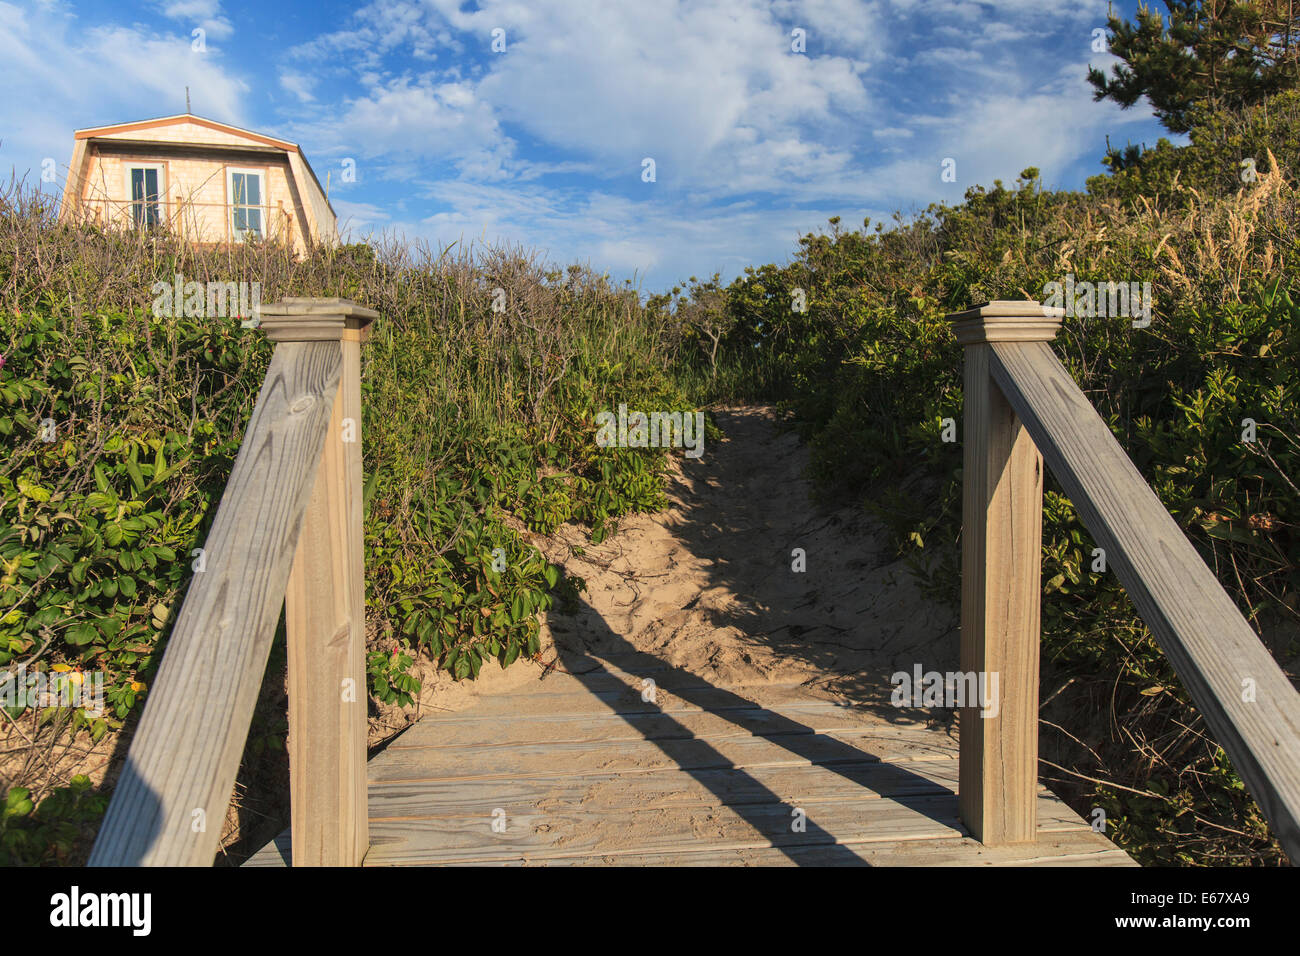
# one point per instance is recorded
(119, 428)
(871, 370)
(55, 833)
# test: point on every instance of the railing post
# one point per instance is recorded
(325, 609)
(1002, 516)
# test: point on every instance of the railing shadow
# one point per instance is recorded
(742, 509)
(699, 758)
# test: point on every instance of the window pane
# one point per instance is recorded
(144, 196)
(254, 219)
(240, 214)
(245, 189)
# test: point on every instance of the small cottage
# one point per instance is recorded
(206, 181)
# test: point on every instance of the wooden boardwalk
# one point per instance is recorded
(594, 764)
(581, 769)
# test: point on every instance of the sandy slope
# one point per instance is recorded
(708, 585)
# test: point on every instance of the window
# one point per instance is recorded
(244, 189)
(145, 186)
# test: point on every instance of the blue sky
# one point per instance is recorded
(543, 144)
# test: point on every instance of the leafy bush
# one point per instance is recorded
(55, 833)
(871, 370)
(119, 429)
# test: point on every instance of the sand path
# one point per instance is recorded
(709, 585)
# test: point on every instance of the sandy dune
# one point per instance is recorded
(707, 585)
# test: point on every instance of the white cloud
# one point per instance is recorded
(1001, 131)
(405, 120)
(204, 14)
(856, 26)
(711, 91)
(60, 77)
(736, 122)
(707, 90)
(299, 84)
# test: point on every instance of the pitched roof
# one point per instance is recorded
(180, 118)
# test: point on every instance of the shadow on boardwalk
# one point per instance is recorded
(704, 599)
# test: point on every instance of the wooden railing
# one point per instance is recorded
(188, 218)
(289, 529)
(288, 532)
(1020, 402)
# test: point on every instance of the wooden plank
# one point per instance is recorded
(170, 801)
(604, 792)
(356, 725)
(1073, 847)
(604, 680)
(535, 834)
(1213, 649)
(644, 756)
(574, 700)
(1002, 510)
(326, 693)
(611, 727)
(1050, 849)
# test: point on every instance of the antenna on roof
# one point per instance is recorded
(187, 101)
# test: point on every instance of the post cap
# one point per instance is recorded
(306, 319)
(1007, 320)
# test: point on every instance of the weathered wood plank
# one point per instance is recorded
(642, 756)
(1002, 510)
(279, 852)
(170, 801)
(604, 792)
(611, 727)
(1049, 849)
(326, 698)
(1073, 847)
(356, 729)
(1251, 707)
(534, 834)
(575, 700)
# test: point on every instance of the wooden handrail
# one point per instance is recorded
(1021, 401)
(277, 223)
(289, 521)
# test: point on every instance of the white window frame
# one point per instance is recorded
(132, 166)
(231, 204)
